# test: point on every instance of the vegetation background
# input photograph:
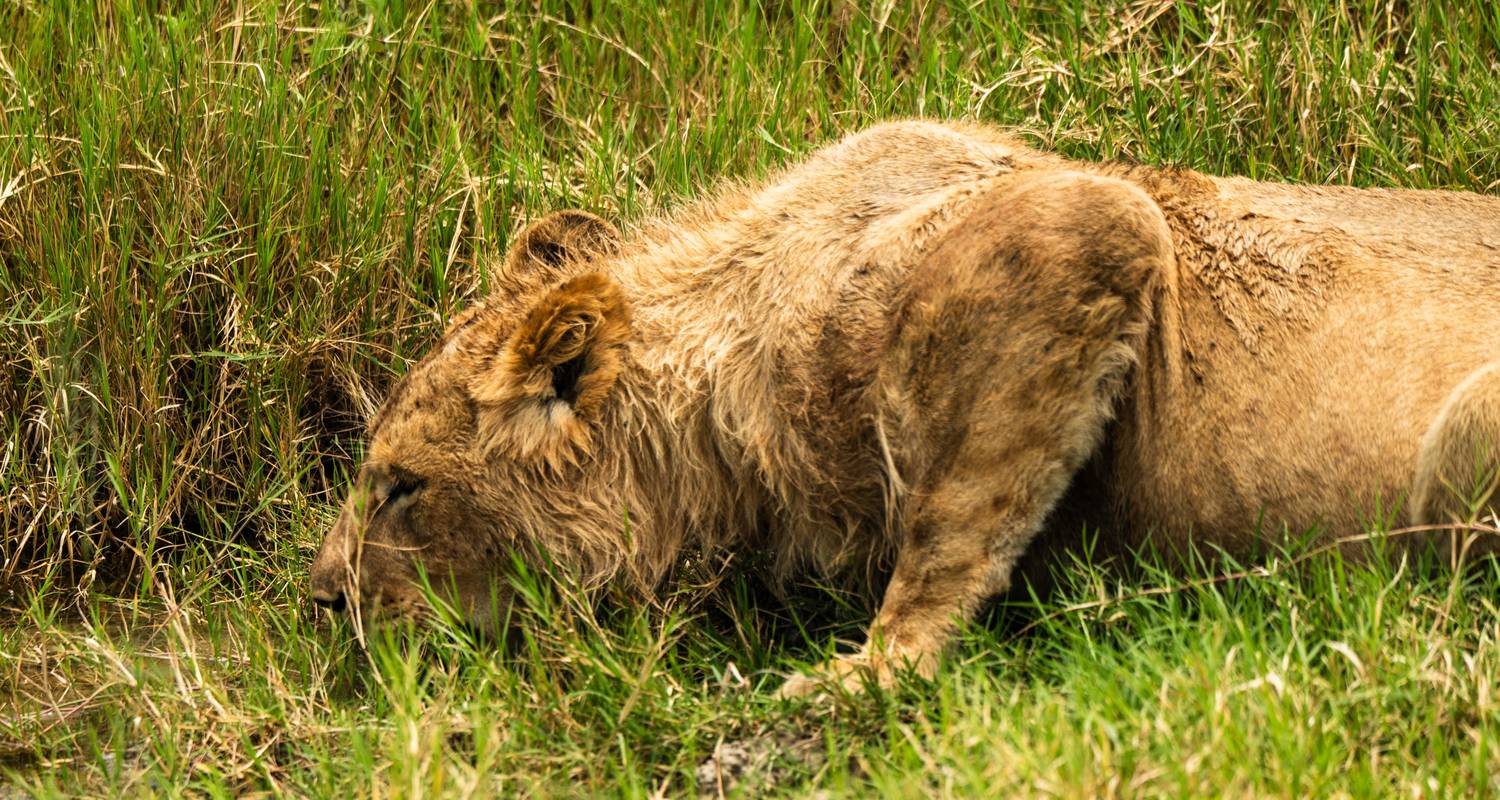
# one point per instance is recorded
(226, 226)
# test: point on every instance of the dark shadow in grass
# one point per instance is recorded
(1109, 601)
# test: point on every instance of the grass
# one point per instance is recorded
(226, 227)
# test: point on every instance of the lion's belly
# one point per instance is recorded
(1318, 428)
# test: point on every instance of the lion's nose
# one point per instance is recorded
(327, 583)
(331, 600)
(329, 571)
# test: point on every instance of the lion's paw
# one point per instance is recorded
(848, 675)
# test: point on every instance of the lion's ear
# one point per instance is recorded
(548, 249)
(551, 378)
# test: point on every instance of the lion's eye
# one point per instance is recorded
(399, 490)
(404, 485)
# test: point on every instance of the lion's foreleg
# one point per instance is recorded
(1009, 365)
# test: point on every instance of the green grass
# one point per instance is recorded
(225, 230)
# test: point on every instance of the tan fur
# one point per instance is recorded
(1458, 469)
(922, 348)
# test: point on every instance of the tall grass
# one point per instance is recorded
(225, 228)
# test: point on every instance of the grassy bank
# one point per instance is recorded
(225, 228)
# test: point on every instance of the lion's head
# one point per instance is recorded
(486, 451)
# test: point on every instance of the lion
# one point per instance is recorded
(931, 347)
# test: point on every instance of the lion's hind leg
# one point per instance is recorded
(1458, 468)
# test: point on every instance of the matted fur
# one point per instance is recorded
(930, 348)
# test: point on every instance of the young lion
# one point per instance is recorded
(929, 344)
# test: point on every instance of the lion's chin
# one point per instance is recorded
(476, 621)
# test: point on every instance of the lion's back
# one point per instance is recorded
(1322, 329)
